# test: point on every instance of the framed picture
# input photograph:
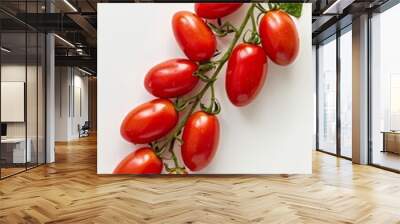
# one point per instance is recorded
(248, 111)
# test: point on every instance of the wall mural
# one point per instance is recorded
(226, 51)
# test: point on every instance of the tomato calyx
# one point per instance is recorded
(205, 68)
(181, 104)
(214, 106)
(175, 170)
(222, 29)
(294, 9)
(254, 37)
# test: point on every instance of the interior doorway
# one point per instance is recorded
(75, 104)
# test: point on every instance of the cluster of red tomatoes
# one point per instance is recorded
(245, 75)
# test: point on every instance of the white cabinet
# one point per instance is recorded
(18, 149)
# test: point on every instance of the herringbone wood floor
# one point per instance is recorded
(69, 191)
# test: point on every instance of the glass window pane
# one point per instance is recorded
(31, 89)
(386, 89)
(13, 86)
(22, 90)
(41, 99)
(327, 97)
(346, 93)
(31, 100)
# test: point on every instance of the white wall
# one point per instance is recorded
(69, 84)
(61, 103)
(271, 135)
(314, 74)
(80, 103)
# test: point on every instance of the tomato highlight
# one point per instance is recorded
(171, 78)
(200, 140)
(246, 74)
(279, 37)
(149, 121)
(194, 37)
(141, 161)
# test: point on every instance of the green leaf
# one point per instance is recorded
(293, 9)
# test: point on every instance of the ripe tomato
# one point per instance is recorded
(171, 78)
(279, 37)
(246, 73)
(149, 121)
(141, 161)
(200, 140)
(193, 35)
(215, 10)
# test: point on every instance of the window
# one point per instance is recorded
(346, 93)
(327, 97)
(334, 106)
(385, 89)
(22, 101)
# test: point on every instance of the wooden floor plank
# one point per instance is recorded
(70, 191)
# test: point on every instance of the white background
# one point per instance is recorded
(271, 135)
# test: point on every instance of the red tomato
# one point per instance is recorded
(194, 37)
(200, 140)
(246, 73)
(215, 10)
(171, 78)
(279, 37)
(141, 161)
(149, 121)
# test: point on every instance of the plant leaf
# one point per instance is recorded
(293, 9)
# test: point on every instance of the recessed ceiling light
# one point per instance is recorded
(337, 7)
(70, 5)
(64, 40)
(84, 71)
(5, 50)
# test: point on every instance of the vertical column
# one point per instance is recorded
(316, 79)
(50, 92)
(360, 89)
(338, 96)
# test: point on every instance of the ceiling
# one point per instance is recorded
(76, 22)
(331, 16)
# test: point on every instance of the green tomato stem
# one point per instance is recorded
(253, 23)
